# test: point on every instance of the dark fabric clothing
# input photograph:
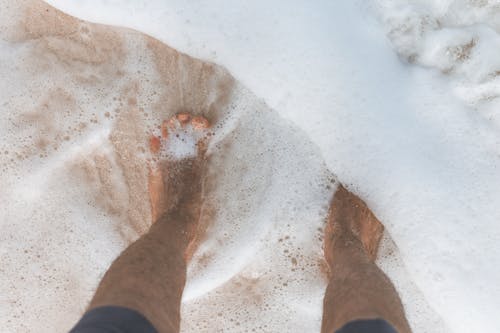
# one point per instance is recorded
(113, 319)
(367, 326)
(116, 319)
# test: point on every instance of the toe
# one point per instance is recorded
(183, 118)
(164, 129)
(172, 123)
(154, 144)
(199, 122)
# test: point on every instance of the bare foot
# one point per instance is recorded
(357, 288)
(350, 222)
(177, 173)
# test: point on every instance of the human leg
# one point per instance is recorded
(149, 276)
(357, 289)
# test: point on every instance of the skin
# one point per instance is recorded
(149, 276)
(357, 289)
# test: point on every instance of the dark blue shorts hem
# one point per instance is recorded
(113, 319)
(367, 326)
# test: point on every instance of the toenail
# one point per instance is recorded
(200, 122)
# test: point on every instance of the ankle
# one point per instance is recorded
(346, 250)
(173, 229)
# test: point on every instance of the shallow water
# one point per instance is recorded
(80, 106)
(79, 101)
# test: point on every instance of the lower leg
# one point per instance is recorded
(149, 276)
(357, 289)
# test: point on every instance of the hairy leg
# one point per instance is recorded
(357, 289)
(149, 276)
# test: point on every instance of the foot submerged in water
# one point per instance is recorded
(350, 221)
(177, 171)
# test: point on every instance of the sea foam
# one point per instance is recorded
(397, 114)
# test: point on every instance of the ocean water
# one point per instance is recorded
(395, 99)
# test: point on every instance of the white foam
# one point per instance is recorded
(70, 202)
(418, 141)
(180, 146)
